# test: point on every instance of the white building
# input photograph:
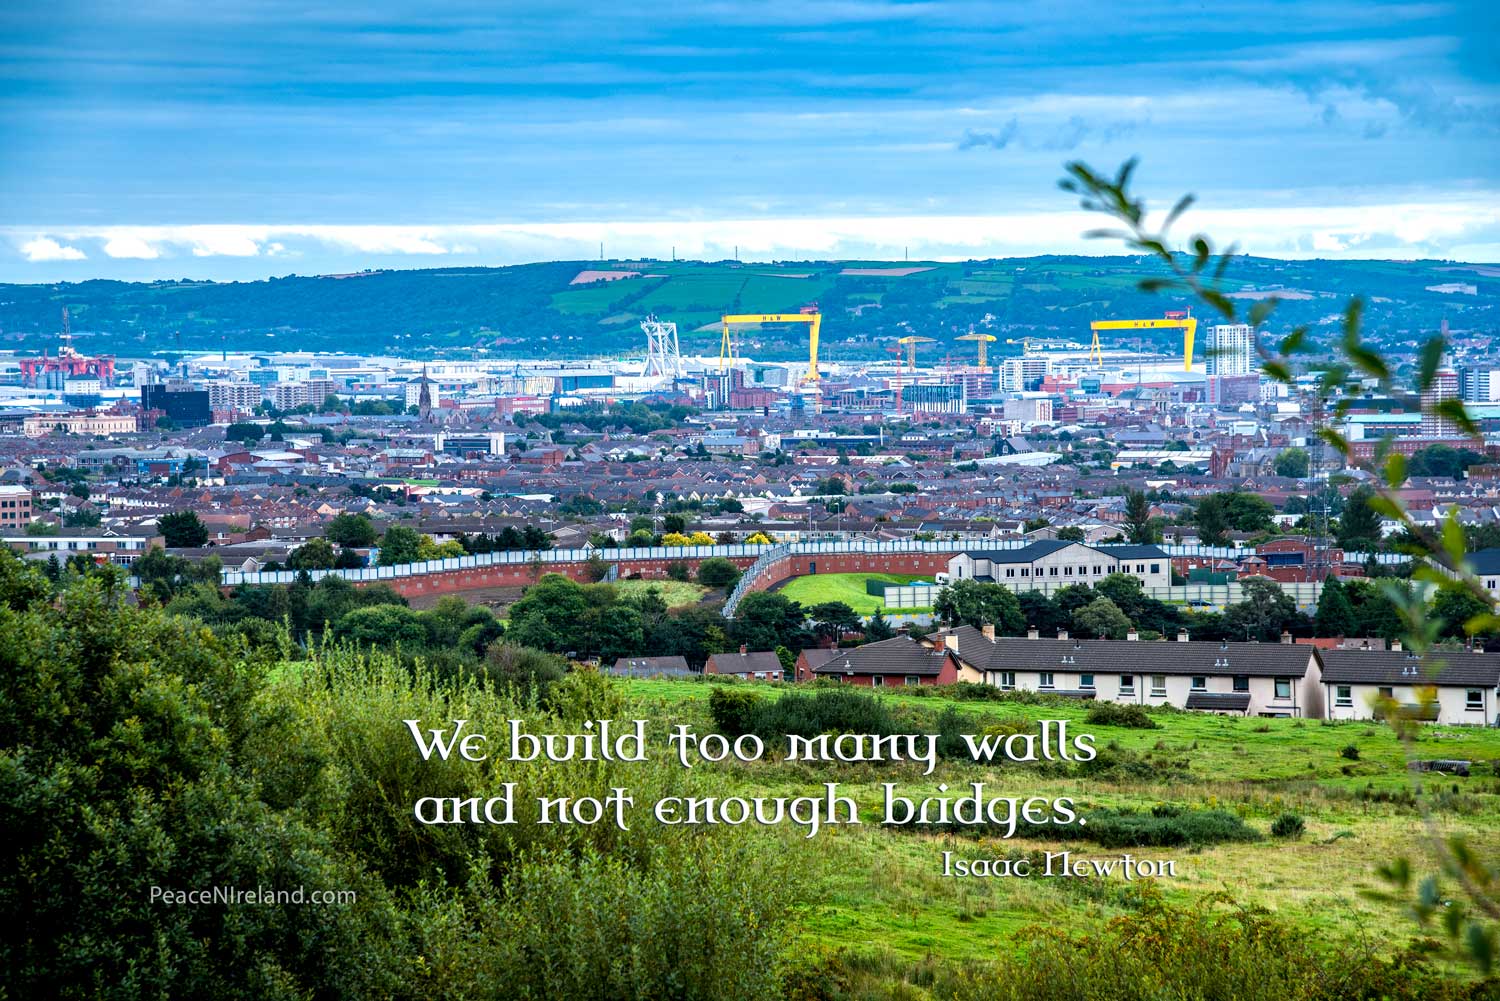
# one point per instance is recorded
(1053, 563)
(1231, 349)
(1019, 374)
(1442, 687)
(1251, 679)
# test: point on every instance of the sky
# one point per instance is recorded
(240, 139)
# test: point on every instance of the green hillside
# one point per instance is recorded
(545, 309)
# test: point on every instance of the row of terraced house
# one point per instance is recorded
(1253, 679)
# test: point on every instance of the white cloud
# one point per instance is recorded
(131, 247)
(46, 249)
(1396, 228)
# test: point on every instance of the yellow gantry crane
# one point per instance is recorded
(911, 348)
(1176, 320)
(984, 341)
(728, 351)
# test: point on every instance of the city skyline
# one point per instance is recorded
(243, 141)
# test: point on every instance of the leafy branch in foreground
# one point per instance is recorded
(1439, 554)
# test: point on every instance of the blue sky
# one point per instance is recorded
(232, 140)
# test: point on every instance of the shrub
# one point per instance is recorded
(834, 709)
(716, 571)
(1288, 825)
(732, 709)
(1350, 751)
(1115, 714)
(679, 570)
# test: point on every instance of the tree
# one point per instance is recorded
(350, 529)
(1101, 619)
(1138, 518)
(832, 619)
(314, 554)
(595, 568)
(977, 604)
(1264, 612)
(84, 516)
(1071, 533)
(618, 632)
(1213, 526)
(384, 626)
(547, 616)
(1335, 614)
(765, 620)
(1359, 525)
(1035, 525)
(244, 432)
(1039, 612)
(716, 571)
(1455, 607)
(400, 544)
(1293, 463)
(878, 628)
(182, 530)
(673, 524)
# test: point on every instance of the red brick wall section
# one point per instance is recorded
(523, 574)
(796, 566)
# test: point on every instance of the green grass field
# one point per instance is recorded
(676, 593)
(886, 902)
(849, 588)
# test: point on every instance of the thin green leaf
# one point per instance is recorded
(1201, 252)
(1453, 409)
(1430, 357)
(1177, 210)
(1263, 309)
(1218, 301)
(1395, 470)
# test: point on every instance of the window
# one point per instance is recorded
(1140, 568)
(877, 681)
(1200, 683)
(1007, 679)
(1241, 683)
(1474, 700)
(1343, 695)
(1127, 684)
(1086, 681)
(1052, 571)
(1159, 684)
(1010, 571)
(1156, 568)
(912, 679)
(1387, 693)
(1098, 569)
(1067, 571)
(1025, 571)
(1283, 688)
(1046, 679)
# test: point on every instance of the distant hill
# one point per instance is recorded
(580, 309)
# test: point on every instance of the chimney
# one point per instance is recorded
(1032, 633)
(1396, 646)
(1182, 636)
(743, 649)
(988, 631)
(1062, 634)
(950, 640)
(1286, 637)
(1132, 636)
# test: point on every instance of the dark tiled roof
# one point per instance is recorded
(1009, 653)
(817, 656)
(743, 663)
(1034, 551)
(1236, 701)
(1486, 561)
(1396, 667)
(898, 655)
(647, 666)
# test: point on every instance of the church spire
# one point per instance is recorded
(424, 399)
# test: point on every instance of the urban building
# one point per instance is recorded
(84, 422)
(1231, 350)
(1444, 387)
(15, 508)
(180, 401)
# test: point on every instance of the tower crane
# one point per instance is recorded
(911, 343)
(814, 321)
(984, 341)
(1175, 320)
